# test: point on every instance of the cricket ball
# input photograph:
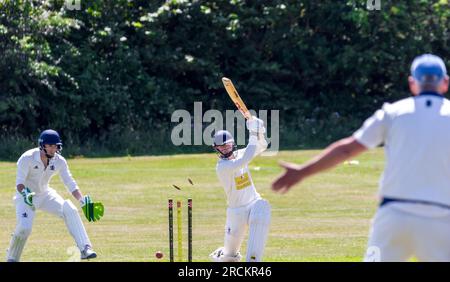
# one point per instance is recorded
(159, 254)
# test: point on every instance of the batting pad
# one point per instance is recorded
(259, 228)
(16, 247)
(75, 225)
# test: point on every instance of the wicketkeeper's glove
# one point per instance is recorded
(92, 211)
(27, 196)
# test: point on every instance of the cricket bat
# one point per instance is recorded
(234, 95)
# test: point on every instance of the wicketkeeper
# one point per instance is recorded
(35, 168)
(414, 214)
(246, 208)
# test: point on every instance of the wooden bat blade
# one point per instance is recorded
(234, 95)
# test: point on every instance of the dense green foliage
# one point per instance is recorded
(110, 75)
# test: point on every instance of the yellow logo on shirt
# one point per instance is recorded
(242, 181)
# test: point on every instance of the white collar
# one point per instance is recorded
(37, 156)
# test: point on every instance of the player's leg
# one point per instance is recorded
(259, 223)
(24, 216)
(390, 236)
(431, 238)
(65, 209)
(235, 227)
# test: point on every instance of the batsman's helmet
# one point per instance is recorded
(50, 137)
(223, 137)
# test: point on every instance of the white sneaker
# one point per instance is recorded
(216, 255)
(219, 256)
(88, 253)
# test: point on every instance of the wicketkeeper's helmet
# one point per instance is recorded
(50, 137)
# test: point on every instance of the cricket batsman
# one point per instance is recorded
(35, 168)
(246, 208)
(413, 218)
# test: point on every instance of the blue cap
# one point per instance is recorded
(428, 68)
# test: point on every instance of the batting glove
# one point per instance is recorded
(256, 125)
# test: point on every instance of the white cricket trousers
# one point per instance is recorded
(256, 216)
(398, 235)
(49, 201)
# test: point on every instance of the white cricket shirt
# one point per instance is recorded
(32, 173)
(235, 176)
(416, 136)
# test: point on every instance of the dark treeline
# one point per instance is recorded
(110, 75)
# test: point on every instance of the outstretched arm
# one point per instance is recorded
(256, 145)
(68, 180)
(333, 155)
(92, 210)
(77, 195)
(249, 154)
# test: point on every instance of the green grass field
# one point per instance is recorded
(326, 218)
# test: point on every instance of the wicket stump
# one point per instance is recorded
(180, 230)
